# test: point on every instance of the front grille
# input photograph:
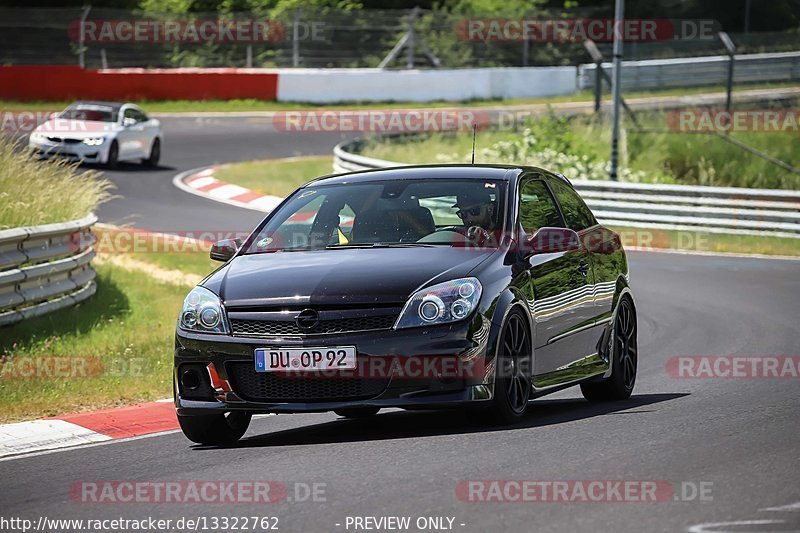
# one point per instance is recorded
(258, 328)
(64, 140)
(284, 387)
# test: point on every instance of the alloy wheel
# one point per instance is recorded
(514, 356)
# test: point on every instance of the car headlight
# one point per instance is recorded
(202, 311)
(37, 136)
(94, 141)
(441, 303)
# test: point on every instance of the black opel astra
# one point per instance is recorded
(446, 286)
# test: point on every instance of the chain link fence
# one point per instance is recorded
(323, 39)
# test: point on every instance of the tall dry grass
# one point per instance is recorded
(34, 191)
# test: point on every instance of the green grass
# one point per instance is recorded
(121, 336)
(189, 106)
(654, 154)
(278, 177)
(164, 252)
(701, 241)
(41, 192)
(428, 148)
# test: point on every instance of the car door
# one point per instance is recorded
(150, 129)
(126, 135)
(131, 137)
(605, 253)
(558, 290)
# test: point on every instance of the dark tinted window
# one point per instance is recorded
(576, 213)
(380, 212)
(537, 208)
(92, 112)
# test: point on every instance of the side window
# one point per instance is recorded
(576, 214)
(346, 217)
(537, 209)
(138, 115)
(129, 113)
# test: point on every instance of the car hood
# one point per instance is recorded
(76, 129)
(345, 276)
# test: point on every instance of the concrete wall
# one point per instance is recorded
(348, 85)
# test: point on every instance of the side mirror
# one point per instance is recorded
(128, 122)
(225, 249)
(552, 240)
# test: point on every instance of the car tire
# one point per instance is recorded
(357, 412)
(155, 154)
(113, 155)
(218, 429)
(512, 385)
(624, 360)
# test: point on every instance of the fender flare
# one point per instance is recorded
(509, 300)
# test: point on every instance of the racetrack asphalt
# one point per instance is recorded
(738, 437)
(147, 199)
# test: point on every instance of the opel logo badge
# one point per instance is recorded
(307, 320)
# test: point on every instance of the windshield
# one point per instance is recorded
(95, 113)
(420, 212)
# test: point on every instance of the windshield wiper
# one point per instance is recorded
(380, 245)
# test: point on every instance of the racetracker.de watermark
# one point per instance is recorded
(380, 121)
(22, 122)
(177, 31)
(71, 366)
(132, 241)
(192, 491)
(579, 30)
(734, 367)
(722, 121)
(581, 491)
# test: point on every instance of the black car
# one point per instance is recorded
(444, 286)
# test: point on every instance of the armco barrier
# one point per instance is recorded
(45, 268)
(699, 71)
(732, 210)
(59, 82)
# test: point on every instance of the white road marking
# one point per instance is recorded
(711, 527)
(178, 182)
(40, 435)
(784, 508)
(202, 182)
(266, 203)
(227, 191)
(90, 445)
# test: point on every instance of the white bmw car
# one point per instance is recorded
(99, 132)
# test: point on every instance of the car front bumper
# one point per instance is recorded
(71, 151)
(413, 368)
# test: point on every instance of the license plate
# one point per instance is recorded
(304, 359)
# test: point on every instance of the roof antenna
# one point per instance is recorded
(474, 130)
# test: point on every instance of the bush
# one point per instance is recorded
(579, 147)
(41, 192)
